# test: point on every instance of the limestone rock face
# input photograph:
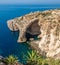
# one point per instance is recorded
(46, 24)
(23, 27)
(33, 28)
(12, 26)
(1, 62)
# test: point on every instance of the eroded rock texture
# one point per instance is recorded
(46, 22)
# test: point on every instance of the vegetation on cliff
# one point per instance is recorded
(32, 58)
(11, 60)
(35, 59)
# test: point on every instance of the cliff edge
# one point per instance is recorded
(46, 24)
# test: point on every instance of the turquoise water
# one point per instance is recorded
(8, 39)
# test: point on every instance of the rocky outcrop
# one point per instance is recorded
(2, 60)
(23, 27)
(48, 29)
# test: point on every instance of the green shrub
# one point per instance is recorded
(57, 62)
(35, 59)
(11, 60)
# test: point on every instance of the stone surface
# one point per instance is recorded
(31, 39)
(1, 63)
(1, 57)
(49, 23)
(22, 27)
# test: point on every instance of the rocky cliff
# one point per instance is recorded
(47, 26)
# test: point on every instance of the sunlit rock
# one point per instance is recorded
(46, 24)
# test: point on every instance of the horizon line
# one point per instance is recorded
(29, 4)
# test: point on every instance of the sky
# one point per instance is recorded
(29, 1)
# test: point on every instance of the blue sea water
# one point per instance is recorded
(8, 39)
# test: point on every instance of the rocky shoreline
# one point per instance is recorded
(46, 24)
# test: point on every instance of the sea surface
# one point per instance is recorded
(8, 39)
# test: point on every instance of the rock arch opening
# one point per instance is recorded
(33, 30)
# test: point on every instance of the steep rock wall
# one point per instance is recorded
(49, 22)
